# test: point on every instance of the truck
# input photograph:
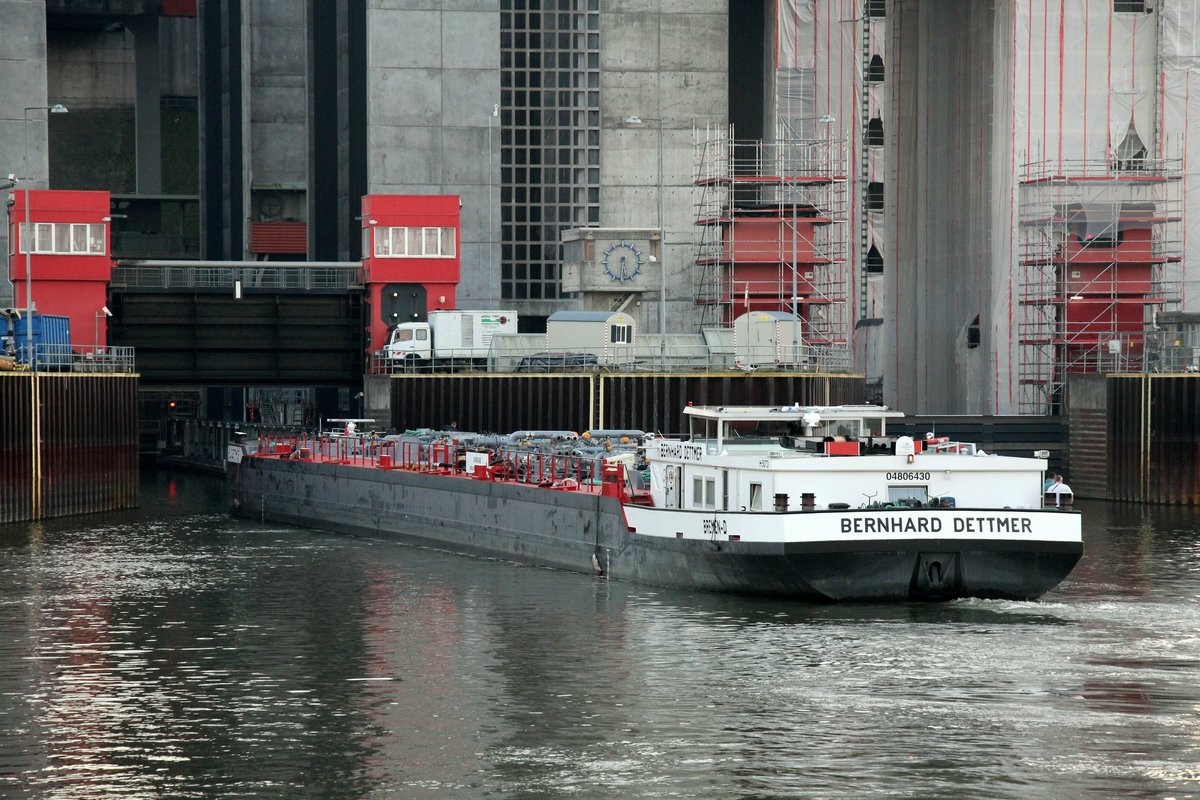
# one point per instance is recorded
(448, 339)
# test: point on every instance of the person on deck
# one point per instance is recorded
(1059, 490)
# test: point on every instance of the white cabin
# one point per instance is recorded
(827, 457)
(768, 338)
(610, 336)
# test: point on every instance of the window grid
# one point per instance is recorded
(63, 238)
(400, 242)
(550, 137)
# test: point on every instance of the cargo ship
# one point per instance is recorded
(814, 503)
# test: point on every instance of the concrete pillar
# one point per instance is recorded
(147, 104)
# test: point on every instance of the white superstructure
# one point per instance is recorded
(753, 458)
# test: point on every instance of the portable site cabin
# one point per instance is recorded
(610, 336)
(768, 338)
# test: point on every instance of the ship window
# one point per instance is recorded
(698, 492)
(710, 493)
(1129, 6)
(910, 493)
(756, 497)
(620, 334)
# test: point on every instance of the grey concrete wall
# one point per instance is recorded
(666, 62)
(23, 67)
(178, 55)
(940, 71)
(91, 69)
(93, 73)
(433, 80)
(277, 108)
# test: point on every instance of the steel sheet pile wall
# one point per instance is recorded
(1087, 413)
(655, 402)
(498, 403)
(651, 402)
(1154, 438)
(87, 460)
(16, 437)
(1002, 435)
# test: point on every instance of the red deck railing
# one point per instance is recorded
(551, 470)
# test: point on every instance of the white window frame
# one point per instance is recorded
(620, 334)
(43, 237)
(61, 238)
(399, 242)
(756, 496)
(426, 242)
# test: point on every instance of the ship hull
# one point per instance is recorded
(594, 534)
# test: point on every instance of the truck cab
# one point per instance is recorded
(409, 340)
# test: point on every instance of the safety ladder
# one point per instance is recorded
(864, 162)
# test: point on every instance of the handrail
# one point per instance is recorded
(507, 464)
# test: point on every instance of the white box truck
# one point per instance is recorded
(449, 338)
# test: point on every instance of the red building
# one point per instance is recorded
(68, 257)
(411, 263)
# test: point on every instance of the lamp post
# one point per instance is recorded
(26, 235)
(103, 312)
(634, 119)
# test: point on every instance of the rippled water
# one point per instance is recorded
(176, 652)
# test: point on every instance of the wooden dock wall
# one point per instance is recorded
(649, 401)
(68, 444)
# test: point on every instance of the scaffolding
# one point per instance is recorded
(1100, 254)
(772, 219)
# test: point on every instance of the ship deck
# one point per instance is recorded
(550, 471)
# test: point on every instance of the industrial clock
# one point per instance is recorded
(622, 261)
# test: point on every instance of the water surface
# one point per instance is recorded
(176, 652)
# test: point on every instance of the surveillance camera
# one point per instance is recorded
(107, 313)
(12, 176)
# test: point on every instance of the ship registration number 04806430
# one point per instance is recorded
(908, 476)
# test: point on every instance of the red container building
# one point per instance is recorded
(411, 262)
(68, 256)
